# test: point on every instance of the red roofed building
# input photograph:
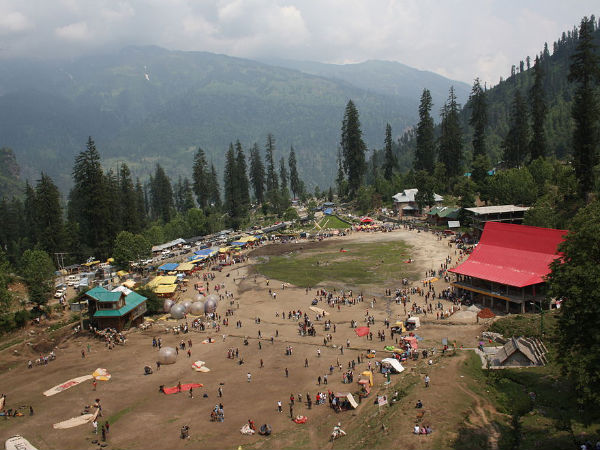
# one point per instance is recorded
(509, 264)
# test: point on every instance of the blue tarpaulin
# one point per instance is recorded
(328, 211)
(168, 267)
(238, 244)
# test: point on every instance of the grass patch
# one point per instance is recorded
(10, 343)
(527, 325)
(118, 415)
(361, 264)
(333, 222)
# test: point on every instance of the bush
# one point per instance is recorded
(21, 317)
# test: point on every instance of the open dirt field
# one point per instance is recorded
(141, 417)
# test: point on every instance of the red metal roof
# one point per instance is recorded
(516, 255)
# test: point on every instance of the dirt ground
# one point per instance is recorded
(141, 417)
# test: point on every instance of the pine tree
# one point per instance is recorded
(390, 161)
(161, 195)
(340, 181)
(353, 148)
(425, 150)
(130, 218)
(113, 199)
(283, 174)
(200, 175)
(451, 141)
(49, 219)
(478, 119)
(537, 146)
(214, 189)
(242, 179)
(294, 178)
(257, 174)
(272, 181)
(187, 196)
(140, 205)
(88, 205)
(30, 230)
(516, 143)
(230, 188)
(585, 71)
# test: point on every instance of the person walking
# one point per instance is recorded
(279, 406)
(319, 380)
(94, 384)
(306, 362)
(220, 391)
(427, 380)
(325, 379)
(261, 363)
(95, 425)
(249, 377)
(191, 392)
(179, 386)
(286, 372)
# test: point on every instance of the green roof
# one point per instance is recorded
(102, 295)
(435, 210)
(449, 213)
(132, 301)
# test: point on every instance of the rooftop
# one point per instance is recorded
(483, 210)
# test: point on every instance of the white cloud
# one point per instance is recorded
(74, 32)
(461, 40)
(13, 22)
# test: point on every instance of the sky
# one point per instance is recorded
(459, 39)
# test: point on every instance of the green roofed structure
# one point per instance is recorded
(115, 309)
(442, 214)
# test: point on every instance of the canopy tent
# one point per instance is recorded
(415, 321)
(248, 239)
(412, 341)
(122, 273)
(394, 363)
(206, 252)
(240, 244)
(347, 396)
(369, 375)
(129, 284)
(185, 267)
(197, 258)
(165, 289)
(366, 220)
(167, 267)
(164, 279)
(362, 331)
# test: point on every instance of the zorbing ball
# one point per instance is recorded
(167, 305)
(214, 297)
(197, 308)
(200, 298)
(187, 304)
(210, 306)
(178, 311)
(167, 355)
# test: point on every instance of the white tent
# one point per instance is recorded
(394, 363)
(415, 320)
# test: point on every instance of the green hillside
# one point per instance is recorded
(147, 104)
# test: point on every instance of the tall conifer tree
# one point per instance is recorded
(451, 140)
(353, 148)
(425, 145)
(516, 143)
(257, 174)
(390, 162)
(294, 178)
(478, 119)
(537, 146)
(585, 71)
(200, 176)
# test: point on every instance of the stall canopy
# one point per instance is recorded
(186, 266)
(206, 252)
(347, 396)
(412, 341)
(168, 267)
(240, 244)
(156, 281)
(366, 220)
(165, 289)
(394, 363)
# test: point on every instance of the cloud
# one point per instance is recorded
(74, 32)
(14, 22)
(461, 40)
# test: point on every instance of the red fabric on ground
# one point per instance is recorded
(184, 387)
(362, 331)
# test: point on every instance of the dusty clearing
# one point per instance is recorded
(141, 417)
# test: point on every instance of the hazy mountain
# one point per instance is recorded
(147, 104)
(384, 77)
